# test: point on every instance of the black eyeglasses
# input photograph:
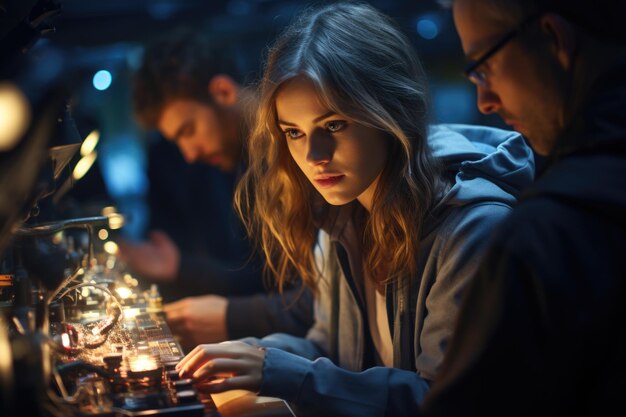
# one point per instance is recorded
(472, 71)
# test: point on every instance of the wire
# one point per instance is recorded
(90, 284)
(64, 284)
(113, 318)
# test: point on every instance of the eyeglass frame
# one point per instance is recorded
(479, 77)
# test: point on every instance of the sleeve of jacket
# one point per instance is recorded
(319, 387)
(484, 349)
(206, 275)
(461, 244)
(539, 327)
(265, 313)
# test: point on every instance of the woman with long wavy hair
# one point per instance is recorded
(382, 215)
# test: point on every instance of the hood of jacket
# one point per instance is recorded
(482, 163)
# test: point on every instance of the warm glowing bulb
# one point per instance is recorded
(83, 166)
(110, 264)
(103, 234)
(65, 340)
(123, 292)
(107, 211)
(110, 247)
(116, 221)
(57, 238)
(90, 142)
(14, 115)
(143, 363)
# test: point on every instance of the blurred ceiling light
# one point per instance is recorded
(83, 166)
(110, 247)
(427, 28)
(90, 142)
(14, 115)
(102, 80)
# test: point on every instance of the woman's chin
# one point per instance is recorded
(335, 200)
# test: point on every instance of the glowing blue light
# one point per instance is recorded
(427, 28)
(102, 80)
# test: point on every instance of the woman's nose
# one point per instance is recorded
(321, 146)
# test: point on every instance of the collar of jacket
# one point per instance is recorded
(599, 125)
(400, 308)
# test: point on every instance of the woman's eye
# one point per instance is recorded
(292, 133)
(335, 125)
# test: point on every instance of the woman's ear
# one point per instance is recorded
(562, 36)
(223, 89)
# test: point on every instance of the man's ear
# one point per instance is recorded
(223, 89)
(562, 36)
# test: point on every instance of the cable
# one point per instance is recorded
(110, 322)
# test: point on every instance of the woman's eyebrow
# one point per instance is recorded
(317, 119)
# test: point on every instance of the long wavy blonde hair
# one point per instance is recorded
(363, 67)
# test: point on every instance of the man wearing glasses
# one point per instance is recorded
(542, 329)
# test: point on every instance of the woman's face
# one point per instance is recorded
(342, 159)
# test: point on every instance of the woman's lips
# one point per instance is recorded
(328, 181)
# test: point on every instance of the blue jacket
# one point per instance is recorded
(333, 371)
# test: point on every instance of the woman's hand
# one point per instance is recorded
(227, 366)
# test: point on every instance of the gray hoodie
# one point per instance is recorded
(332, 371)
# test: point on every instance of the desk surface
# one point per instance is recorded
(241, 403)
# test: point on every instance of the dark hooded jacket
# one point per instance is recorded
(542, 331)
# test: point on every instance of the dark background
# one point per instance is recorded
(109, 35)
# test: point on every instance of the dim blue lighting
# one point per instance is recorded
(427, 29)
(163, 10)
(102, 80)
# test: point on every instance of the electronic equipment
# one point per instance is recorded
(79, 337)
(101, 342)
(91, 340)
(132, 372)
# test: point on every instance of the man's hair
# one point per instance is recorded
(178, 66)
(601, 18)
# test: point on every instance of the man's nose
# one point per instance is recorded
(487, 100)
(190, 153)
